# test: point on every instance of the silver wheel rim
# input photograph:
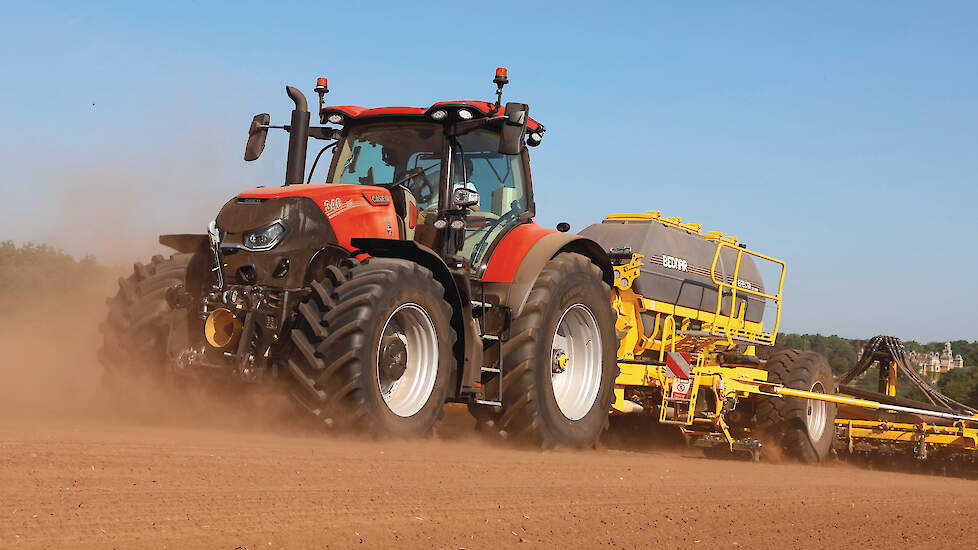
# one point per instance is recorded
(407, 359)
(575, 358)
(817, 414)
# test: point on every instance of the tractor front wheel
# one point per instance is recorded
(136, 330)
(372, 348)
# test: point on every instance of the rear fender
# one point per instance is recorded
(542, 252)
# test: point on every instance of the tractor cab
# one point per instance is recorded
(452, 188)
(457, 173)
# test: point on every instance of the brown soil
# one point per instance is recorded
(190, 471)
(87, 484)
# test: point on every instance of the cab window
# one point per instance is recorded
(498, 179)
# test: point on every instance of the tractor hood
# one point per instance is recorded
(271, 241)
(270, 235)
(352, 210)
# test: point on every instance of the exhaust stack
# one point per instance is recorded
(295, 165)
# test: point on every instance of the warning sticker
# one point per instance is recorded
(681, 388)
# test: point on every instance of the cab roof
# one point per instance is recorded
(479, 109)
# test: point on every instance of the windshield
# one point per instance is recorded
(384, 154)
(498, 179)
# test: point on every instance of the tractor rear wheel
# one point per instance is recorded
(136, 330)
(802, 428)
(559, 360)
(372, 348)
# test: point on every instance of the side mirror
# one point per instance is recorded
(514, 127)
(256, 136)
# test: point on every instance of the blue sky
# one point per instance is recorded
(839, 137)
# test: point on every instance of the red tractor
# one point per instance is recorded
(413, 276)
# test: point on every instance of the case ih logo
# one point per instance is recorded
(675, 263)
(377, 199)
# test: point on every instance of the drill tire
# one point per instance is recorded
(783, 422)
(333, 365)
(529, 409)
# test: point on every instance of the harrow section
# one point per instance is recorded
(939, 428)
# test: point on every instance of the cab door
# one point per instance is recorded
(500, 181)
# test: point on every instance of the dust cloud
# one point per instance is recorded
(110, 198)
(110, 186)
(48, 342)
(115, 206)
(50, 370)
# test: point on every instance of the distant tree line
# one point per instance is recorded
(33, 268)
(843, 354)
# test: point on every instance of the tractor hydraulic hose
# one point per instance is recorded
(316, 161)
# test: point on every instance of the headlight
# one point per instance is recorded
(439, 114)
(335, 119)
(464, 114)
(265, 237)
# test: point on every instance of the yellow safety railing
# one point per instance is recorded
(668, 335)
(735, 287)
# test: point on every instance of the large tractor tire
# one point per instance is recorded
(137, 328)
(372, 348)
(559, 362)
(803, 429)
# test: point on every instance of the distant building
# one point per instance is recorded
(935, 363)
